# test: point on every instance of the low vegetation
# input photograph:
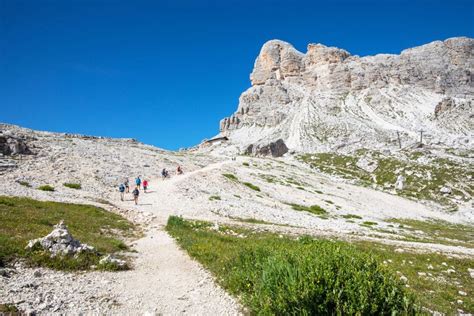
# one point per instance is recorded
(251, 186)
(314, 209)
(25, 184)
(351, 216)
(369, 223)
(441, 283)
(436, 231)
(76, 186)
(230, 176)
(279, 275)
(424, 180)
(23, 219)
(214, 198)
(46, 188)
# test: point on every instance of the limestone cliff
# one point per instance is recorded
(327, 98)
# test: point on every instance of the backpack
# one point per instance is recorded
(121, 188)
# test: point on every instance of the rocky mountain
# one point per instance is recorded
(327, 99)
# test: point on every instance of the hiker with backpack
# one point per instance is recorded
(121, 190)
(179, 170)
(136, 193)
(164, 173)
(138, 182)
(145, 185)
(127, 186)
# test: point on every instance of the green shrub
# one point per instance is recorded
(214, 198)
(46, 188)
(349, 216)
(281, 276)
(315, 209)
(76, 186)
(245, 164)
(251, 186)
(230, 176)
(368, 223)
(25, 184)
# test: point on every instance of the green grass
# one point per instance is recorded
(437, 231)
(437, 289)
(423, 181)
(46, 188)
(8, 310)
(230, 176)
(251, 186)
(274, 274)
(25, 184)
(246, 164)
(350, 216)
(23, 219)
(314, 209)
(76, 186)
(214, 198)
(369, 223)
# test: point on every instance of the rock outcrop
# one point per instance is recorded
(327, 98)
(13, 146)
(274, 149)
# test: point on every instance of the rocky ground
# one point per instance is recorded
(262, 193)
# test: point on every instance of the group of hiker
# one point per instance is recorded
(125, 186)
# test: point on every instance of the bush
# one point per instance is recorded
(246, 164)
(283, 276)
(251, 186)
(76, 186)
(25, 184)
(315, 209)
(214, 197)
(46, 188)
(230, 176)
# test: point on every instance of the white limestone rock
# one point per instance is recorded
(326, 99)
(60, 242)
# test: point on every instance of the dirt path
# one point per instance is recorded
(164, 279)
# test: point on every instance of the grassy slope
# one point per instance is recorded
(279, 275)
(422, 181)
(223, 253)
(24, 219)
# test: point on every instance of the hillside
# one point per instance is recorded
(292, 196)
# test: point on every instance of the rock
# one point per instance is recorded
(404, 279)
(367, 164)
(37, 274)
(10, 145)
(274, 149)
(110, 259)
(60, 242)
(400, 183)
(462, 293)
(471, 272)
(303, 97)
(445, 190)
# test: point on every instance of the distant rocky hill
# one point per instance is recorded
(328, 99)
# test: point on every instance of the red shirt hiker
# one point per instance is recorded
(145, 185)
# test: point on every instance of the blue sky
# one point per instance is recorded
(166, 72)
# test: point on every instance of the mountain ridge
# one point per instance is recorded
(327, 99)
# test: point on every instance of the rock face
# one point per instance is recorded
(329, 99)
(13, 146)
(60, 242)
(274, 149)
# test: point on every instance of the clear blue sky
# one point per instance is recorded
(166, 72)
